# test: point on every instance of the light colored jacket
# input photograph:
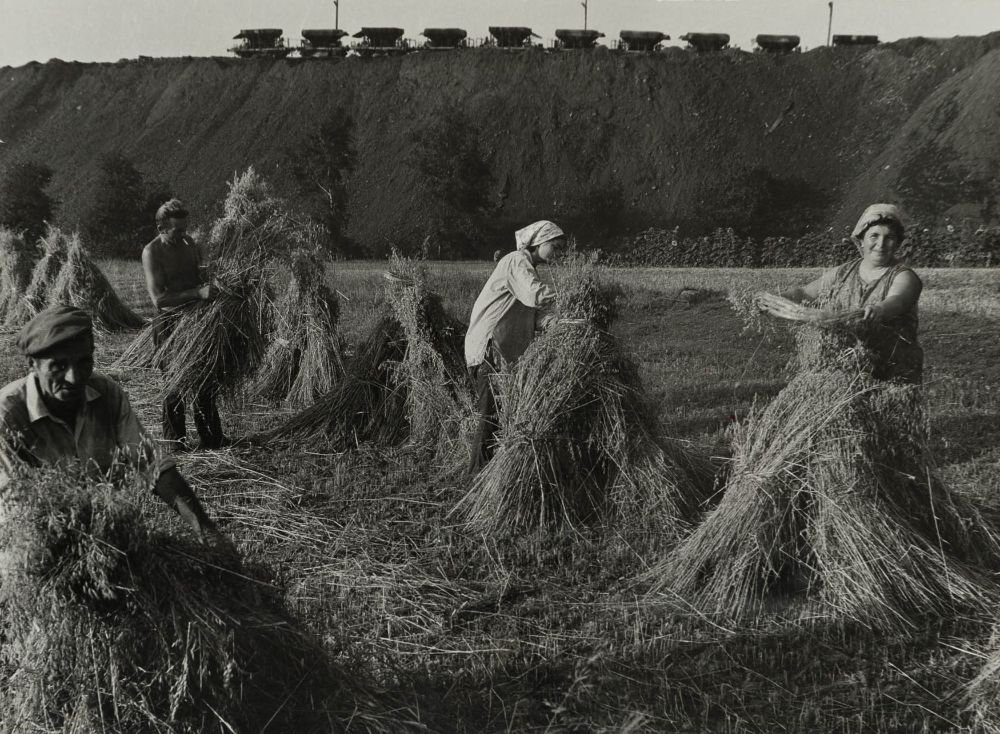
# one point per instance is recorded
(106, 427)
(507, 309)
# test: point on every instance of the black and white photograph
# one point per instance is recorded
(483, 367)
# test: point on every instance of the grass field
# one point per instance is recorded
(556, 633)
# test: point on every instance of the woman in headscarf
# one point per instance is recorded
(883, 288)
(504, 317)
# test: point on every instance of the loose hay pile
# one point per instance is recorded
(81, 283)
(112, 625)
(219, 344)
(833, 498)
(303, 360)
(16, 263)
(406, 380)
(576, 441)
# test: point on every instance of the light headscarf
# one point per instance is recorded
(537, 234)
(878, 214)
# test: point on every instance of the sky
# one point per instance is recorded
(108, 30)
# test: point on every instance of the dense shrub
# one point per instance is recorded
(946, 246)
(448, 155)
(320, 167)
(120, 216)
(24, 204)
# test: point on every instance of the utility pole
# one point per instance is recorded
(336, 14)
(829, 25)
(584, 4)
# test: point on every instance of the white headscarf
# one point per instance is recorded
(877, 214)
(537, 234)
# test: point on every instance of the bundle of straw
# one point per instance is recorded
(218, 344)
(432, 369)
(406, 379)
(833, 497)
(55, 245)
(783, 308)
(576, 441)
(984, 690)
(112, 625)
(303, 360)
(81, 283)
(140, 352)
(16, 263)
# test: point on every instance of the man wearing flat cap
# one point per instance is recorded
(62, 411)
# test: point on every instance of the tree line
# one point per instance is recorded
(463, 213)
(118, 218)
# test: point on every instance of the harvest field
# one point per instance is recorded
(559, 633)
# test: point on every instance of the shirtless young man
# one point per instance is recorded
(174, 277)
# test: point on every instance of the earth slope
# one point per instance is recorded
(771, 144)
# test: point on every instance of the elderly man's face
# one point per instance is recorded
(62, 374)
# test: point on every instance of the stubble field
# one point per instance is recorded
(558, 633)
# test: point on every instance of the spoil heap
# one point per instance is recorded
(833, 499)
(577, 440)
(625, 140)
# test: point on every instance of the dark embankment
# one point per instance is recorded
(764, 143)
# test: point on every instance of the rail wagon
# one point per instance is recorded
(846, 40)
(776, 44)
(641, 40)
(381, 41)
(576, 39)
(706, 41)
(322, 42)
(445, 39)
(512, 36)
(265, 42)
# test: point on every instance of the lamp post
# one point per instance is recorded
(829, 25)
(584, 4)
(336, 14)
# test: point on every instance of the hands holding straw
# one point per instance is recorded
(783, 308)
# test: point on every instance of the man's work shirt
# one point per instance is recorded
(173, 267)
(106, 427)
(506, 309)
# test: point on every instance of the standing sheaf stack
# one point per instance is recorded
(81, 283)
(304, 359)
(577, 442)
(432, 368)
(406, 380)
(833, 500)
(221, 342)
(16, 265)
(55, 246)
